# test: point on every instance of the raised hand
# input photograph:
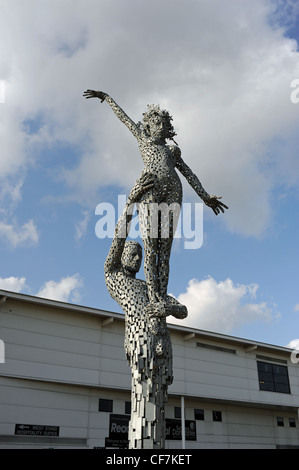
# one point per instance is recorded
(95, 94)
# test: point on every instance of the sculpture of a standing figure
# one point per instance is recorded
(161, 161)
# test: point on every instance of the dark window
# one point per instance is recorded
(292, 422)
(127, 407)
(217, 416)
(199, 414)
(177, 412)
(280, 421)
(273, 378)
(105, 405)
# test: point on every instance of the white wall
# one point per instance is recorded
(73, 408)
(241, 426)
(58, 362)
(49, 344)
(221, 375)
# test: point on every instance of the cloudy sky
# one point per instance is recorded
(228, 72)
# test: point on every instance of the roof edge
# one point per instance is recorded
(188, 331)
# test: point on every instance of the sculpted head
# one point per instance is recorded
(132, 256)
(157, 123)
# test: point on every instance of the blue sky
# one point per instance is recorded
(224, 71)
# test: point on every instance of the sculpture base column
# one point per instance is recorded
(147, 424)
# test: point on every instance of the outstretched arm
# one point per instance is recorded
(115, 108)
(211, 201)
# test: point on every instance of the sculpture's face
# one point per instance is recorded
(159, 127)
(132, 257)
(157, 123)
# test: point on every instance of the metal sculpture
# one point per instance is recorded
(147, 304)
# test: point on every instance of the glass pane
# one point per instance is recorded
(128, 407)
(282, 388)
(264, 366)
(266, 376)
(283, 379)
(280, 421)
(280, 370)
(267, 386)
(199, 414)
(217, 416)
(105, 405)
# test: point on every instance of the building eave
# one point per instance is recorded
(188, 332)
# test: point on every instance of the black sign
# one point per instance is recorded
(118, 431)
(174, 430)
(119, 427)
(36, 430)
(116, 443)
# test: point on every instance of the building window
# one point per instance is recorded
(217, 416)
(127, 407)
(292, 422)
(280, 421)
(177, 412)
(273, 377)
(199, 414)
(105, 405)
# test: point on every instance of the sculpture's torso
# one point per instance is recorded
(160, 160)
(147, 341)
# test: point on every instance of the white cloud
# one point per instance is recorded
(10, 194)
(294, 344)
(19, 236)
(81, 226)
(296, 308)
(65, 290)
(220, 68)
(13, 284)
(221, 306)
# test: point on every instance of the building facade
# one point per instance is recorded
(65, 383)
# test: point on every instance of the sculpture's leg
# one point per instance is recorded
(149, 233)
(163, 266)
(167, 226)
(150, 267)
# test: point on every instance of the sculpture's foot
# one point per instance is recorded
(179, 311)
